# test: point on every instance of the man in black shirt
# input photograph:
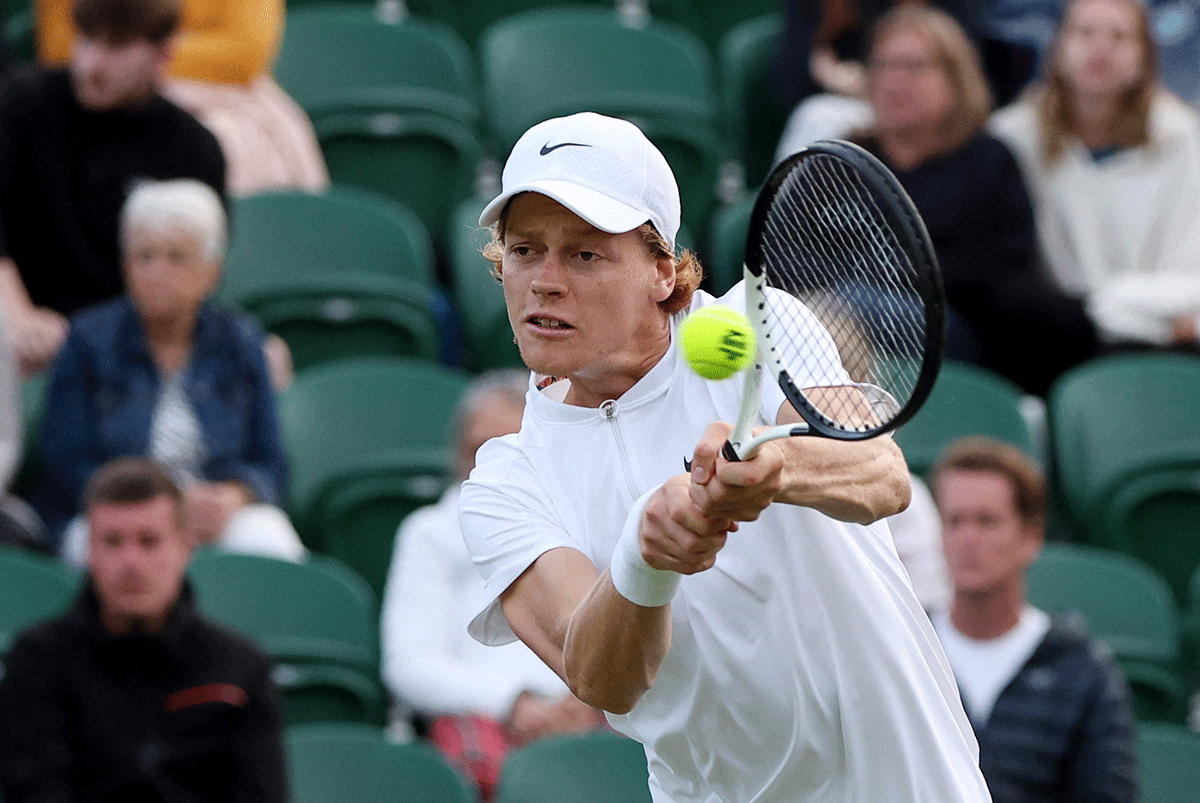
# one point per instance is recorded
(132, 696)
(72, 144)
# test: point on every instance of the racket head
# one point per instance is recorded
(834, 240)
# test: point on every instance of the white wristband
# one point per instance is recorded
(634, 579)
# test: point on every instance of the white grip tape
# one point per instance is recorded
(634, 579)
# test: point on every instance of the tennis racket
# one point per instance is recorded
(844, 294)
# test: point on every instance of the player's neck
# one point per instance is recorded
(987, 615)
(591, 387)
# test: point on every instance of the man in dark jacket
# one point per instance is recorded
(1049, 706)
(131, 695)
(73, 143)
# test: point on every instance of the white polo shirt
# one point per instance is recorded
(801, 667)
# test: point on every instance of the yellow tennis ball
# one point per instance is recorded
(717, 341)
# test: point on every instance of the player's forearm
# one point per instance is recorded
(859, 482)
(613, 648)
(12, 290)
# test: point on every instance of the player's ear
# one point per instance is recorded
(664, 281)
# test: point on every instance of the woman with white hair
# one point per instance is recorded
(164, 373)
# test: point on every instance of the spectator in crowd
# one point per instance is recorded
(1049, 706)
(19, 524)
(164, 373)
(220, 71)
(824, 44)
(1112, 161)
(492, 698)
(72, 142)
(928, 105)
(132, 695)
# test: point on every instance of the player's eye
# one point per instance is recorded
(587, 256)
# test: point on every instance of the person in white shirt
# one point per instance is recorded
(1112, 161)
(750, 623)
(503, 696)
(1050, 706)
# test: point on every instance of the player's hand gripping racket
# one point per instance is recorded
(836, 246)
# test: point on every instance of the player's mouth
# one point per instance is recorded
(546, 323)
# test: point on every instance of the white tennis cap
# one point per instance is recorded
(601, 168)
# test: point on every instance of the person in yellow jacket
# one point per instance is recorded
(221, 73)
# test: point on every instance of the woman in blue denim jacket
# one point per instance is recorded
(164, 373)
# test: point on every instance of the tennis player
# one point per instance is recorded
(749, 623)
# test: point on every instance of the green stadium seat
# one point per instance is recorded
(1125, 444)
(368, 441)
(339, 274)
(753, 116)
(585, 768)
(966, 400)
(1168, 763)
(33, 400)
(557, 61)
(317, 621)
(343, 762)
(711, 20)
(727, 244)
(394, 103)
(33, 588)
(1126, 605)
(470, 17)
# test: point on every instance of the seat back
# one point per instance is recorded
(752, 113)
(316, 620)
(1168, 763)
(1119, 417)
(1124, 602)
(337, 274)
(556, 61)
(966, 400)
(330, 50)
(368, 443)
(33, 588)
(727, 244)
(581, 768)
(1155, 517)
(335, 762)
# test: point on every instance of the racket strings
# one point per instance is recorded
(829, 246)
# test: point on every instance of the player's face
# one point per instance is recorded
(908, 87)
(583, 303)
(108, 76)
(1100, 51)
(166, 274)
(988, 545)
(137, 556)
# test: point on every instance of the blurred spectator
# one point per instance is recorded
(164, 373)
(19, 525)
(72, 142)
(1112, 161)
(480, 701)
(1049, 706)
(824, 44)
(928, 103)
(132, 695)
(220, 71)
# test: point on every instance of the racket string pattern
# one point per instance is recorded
(831, 251)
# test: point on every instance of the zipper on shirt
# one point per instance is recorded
(609, 410)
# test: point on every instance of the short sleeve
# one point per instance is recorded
(508, 523)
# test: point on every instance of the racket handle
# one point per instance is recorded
(729, 453)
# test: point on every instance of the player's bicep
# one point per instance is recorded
(539, 604)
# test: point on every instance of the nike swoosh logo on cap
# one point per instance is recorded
(548, 148)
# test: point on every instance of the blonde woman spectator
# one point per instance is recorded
(1113, 165)
(221, 73)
